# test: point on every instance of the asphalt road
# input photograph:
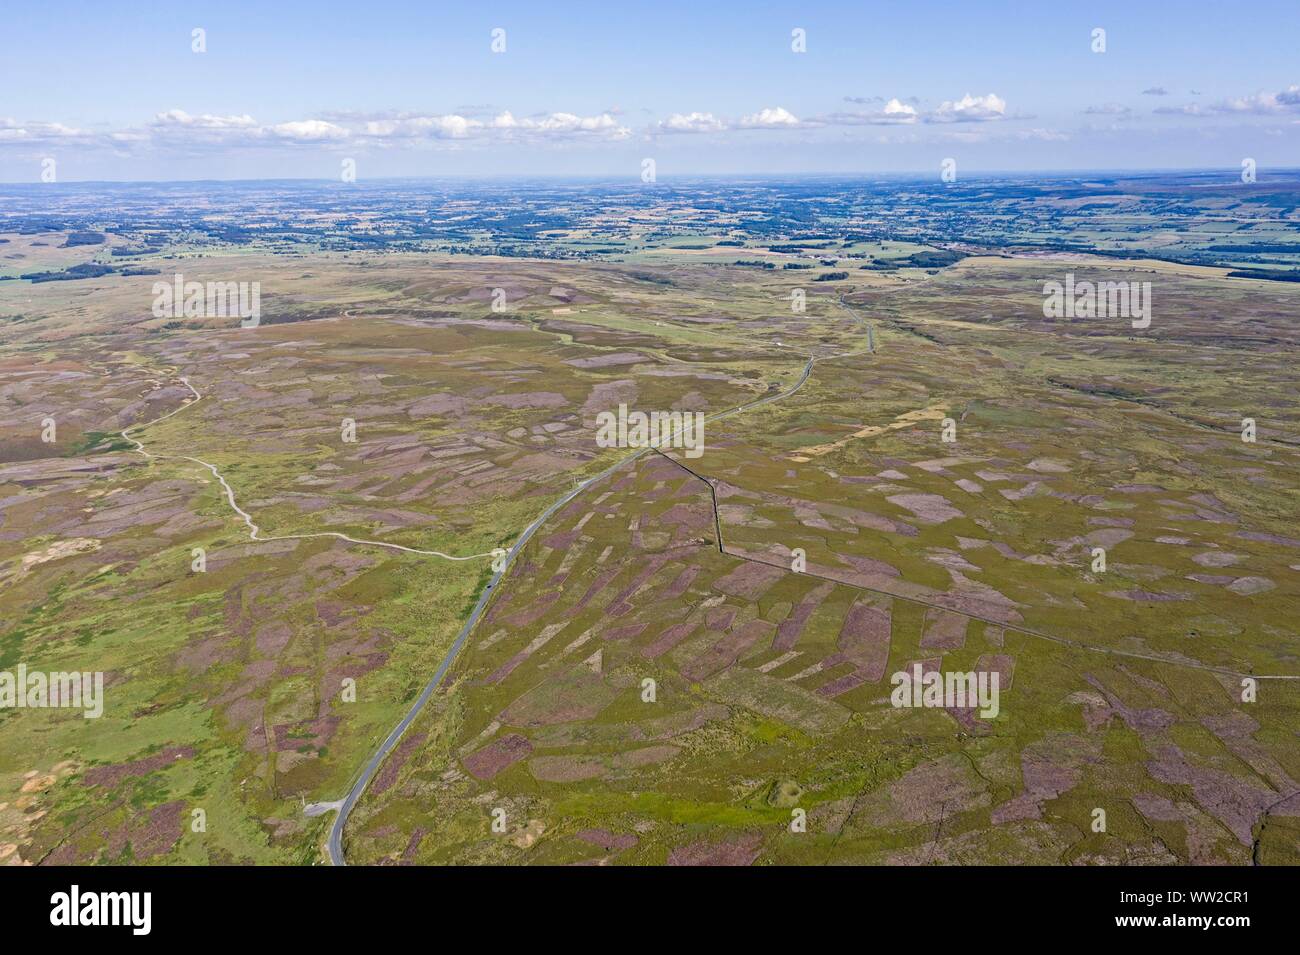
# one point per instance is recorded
(335, 843)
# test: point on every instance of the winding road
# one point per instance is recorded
(345, 806)
(335, 842)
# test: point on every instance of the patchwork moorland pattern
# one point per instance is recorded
(1121, 690)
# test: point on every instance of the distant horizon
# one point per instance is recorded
(610, 178)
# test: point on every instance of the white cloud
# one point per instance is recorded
(1261, 103)
(902, 112)
(564, 124)
(691, 123)
(309, 131)
(503, 125)
(770, 118)
(970, 109)
(178, 117)
(178, 128)
(450, 126)
(896, 108)
(895, 113)
(12, 131)
(1257, 104)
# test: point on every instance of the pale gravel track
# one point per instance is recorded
(346, 805)
(334, 844)
(254, 531)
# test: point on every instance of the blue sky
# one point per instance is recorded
(115, 91)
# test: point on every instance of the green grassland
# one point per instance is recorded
(225, 689)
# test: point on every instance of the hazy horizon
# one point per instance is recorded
(830, 176)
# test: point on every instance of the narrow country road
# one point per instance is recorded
(335, 843)
(345, 806)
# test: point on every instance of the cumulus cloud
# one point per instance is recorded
(504, 124)
(894, 113)
(1261, 103)
(182, 119)
(13, 131)
(691, 123)
(178, 129)
(902, 111)
(1284, 102)
(309, 131)
(564, 124)
(770, 117)
(970, 109)
(896, 108)
(776, 117)
(450, 126)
